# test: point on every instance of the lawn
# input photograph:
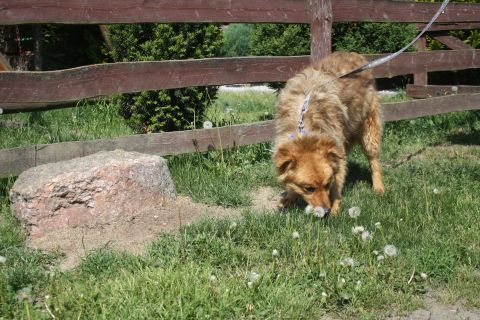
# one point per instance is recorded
(264, 265)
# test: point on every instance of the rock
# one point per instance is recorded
(88, 191)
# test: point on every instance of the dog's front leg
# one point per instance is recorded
(288, 198)
(337, 187)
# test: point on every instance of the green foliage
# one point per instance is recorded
(165, 110)
(294, 39)
(237, 40)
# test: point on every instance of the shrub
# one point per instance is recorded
(237, 40)
(165, 110)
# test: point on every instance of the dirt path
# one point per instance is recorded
(133, 233)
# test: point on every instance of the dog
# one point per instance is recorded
(312, 164)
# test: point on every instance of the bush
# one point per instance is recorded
(294, 39)
(165, 110)
(237, 40)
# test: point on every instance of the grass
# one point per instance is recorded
(210, 269)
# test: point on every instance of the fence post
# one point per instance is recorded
(321, 18)
(421, 78)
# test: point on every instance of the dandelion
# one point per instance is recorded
(354, 212)
(266, 113)
(366, 236)
(275, 253)
(390, 250)
(378, 225)
(212, 278)
(436, 191)
(252, 277)
(295, 235)
(324, 296)
(228, 110)
(3, 259)
(319, 212)
(357, 229)
(380, 258)
(358, 285)
(308, 209)
(375, 252)
(323, 274)
(341, 282)
(423, 276)
(233, 225)
(349, 262)
(207, 125)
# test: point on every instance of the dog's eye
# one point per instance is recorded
(309, 189)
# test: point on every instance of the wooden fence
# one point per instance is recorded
(28, 91)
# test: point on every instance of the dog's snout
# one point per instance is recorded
(327, 211)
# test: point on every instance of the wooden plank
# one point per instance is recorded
(250, 11)
(320, 29)
(107, 79)
(432, 106)
(450, 26)
(452, 42)
(416, 91)
(421, 77)
(16, 160)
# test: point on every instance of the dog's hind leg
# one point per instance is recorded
(371, 141)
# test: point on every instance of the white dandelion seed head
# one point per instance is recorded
(228, 110)
(423, 275)
(380, 258)
(295, 235)
(378, 225)
(275, 253)
(367, 236)
(436, 191)
(358, 285)
(233, 225)
(3, 259)
(47, 297)
(354, 212)
(375, 252)
(324, 294)
(212, 278)
(266, 113)
(207, 125)
(342, 280)
(390, 250)
(358, 229)
(323, 274)
(308, 209)
(250, 284)
(319, 212)
(253, 277)
(349, 262)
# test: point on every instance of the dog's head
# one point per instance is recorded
(307, 166)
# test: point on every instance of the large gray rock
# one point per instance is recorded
(92, 190)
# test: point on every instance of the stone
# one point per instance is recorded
(90, 191)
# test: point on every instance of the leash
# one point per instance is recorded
(369, 65)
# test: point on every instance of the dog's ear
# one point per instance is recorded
(284, 159)
(331, 149)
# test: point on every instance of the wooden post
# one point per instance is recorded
(421, 78)
(321, 18)
(37, 38)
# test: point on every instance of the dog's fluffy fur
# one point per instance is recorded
(313, 165)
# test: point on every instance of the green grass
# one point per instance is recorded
(205, 271)
(86, 121)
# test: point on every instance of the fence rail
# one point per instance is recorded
(252, 11)
(108, 79)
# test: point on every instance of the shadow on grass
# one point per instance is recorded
(357, 173)
(465, 138)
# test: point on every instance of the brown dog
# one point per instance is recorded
(312, 164)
